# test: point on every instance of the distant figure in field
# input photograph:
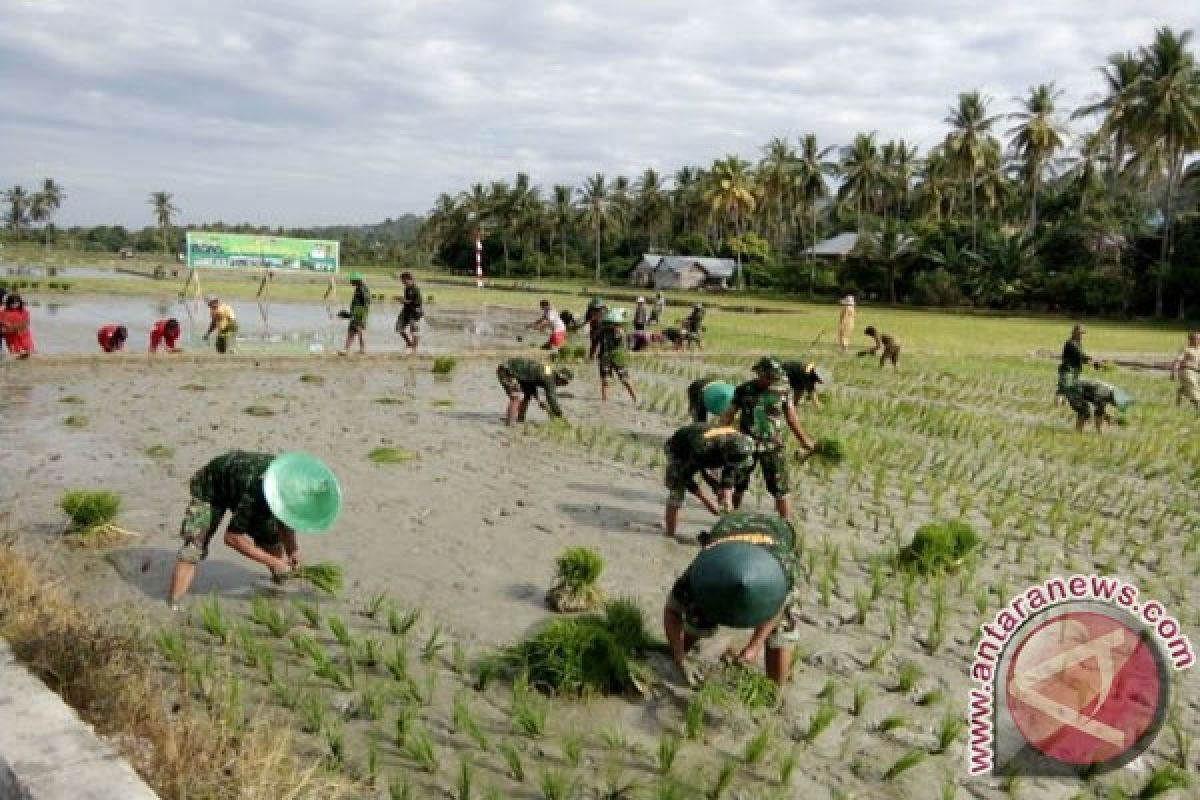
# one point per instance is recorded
(804, 378)
(1186, 370)
(675, 337)
(14, 326)
(660, 308)
(641, 315)
(360, 309)
(885, 345)
(111, 338)
(408, 324)
(223, 322)
(165, 333)
(593, 317)
(613, 354)
(1070, 365)
(521, 379)
(552, 322)
(846, 321)
(1091, 399)
(693, 327)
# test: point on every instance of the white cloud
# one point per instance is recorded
(308, 111)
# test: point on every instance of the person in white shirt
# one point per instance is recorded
(552, 322)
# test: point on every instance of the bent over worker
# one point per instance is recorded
(271, 499)
(694, 450)
(521, 379)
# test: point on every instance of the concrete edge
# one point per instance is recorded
(48, 753)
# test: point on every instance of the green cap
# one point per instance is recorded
(1122, 399)
(739, 585)
(717, 397)
(756, 528)
(768, 365)
(355, 276)
(302, 492)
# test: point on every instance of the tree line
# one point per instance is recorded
(1009, 210)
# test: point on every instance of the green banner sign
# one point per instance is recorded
(253, 251)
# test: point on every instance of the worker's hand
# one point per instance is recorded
(690, 674)
(281, 575)
(294, 560)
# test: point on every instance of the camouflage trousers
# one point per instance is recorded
(200, 522)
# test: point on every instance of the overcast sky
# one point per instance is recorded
(313, 112)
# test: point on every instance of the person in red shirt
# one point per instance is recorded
(111, 338)
(165, 333)
(14, 326)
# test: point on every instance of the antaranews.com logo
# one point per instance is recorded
(1074, 677)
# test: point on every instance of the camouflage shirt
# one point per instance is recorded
(760, 412)
(233, 482)
(361, 298)
(612, 346)
(534, 375)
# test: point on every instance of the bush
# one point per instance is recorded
(585, 655)
(89, 510)
(938, 546)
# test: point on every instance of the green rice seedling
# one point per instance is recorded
(787, 766)
(493, 793)
(909, 597)
(429, 686)
(878, 655)
(159, 451)
(668, 789)
(419, 747)
(337, 626)
(614, 738)
(758, 745)
(249, 644)
(270, 616)
(935, 636)
(89, 510)
(828, 691)
(556, 785)
(371, 702)
(826, 587)
(862, 604)
(310, 612)
(375, 605)
(892, 617)
(194, 387)
(326, 576)
(71, 399)
(830, 451)
(400, 624)
(465, 784)
(878, 578)
(982, 600)
(938, 546)
(258, 410)
(1162, 781)
(529, 716)
(693, 716)
(949, 790)
(512, 760)
(404, 722)
(444, 402)
(286, 694)
(487, 669)
(444, 365)
(858, 702)
(723, 780)
(908, 676)
(821, 719)
(893, 722)
(1181, 739)
(214, 619)
(309, 647)
(312, 709)
(308, 377)
(465, 722)
(331, 672)
(398, 789)
(390, 401)
(76, 421)
(668, 750)
(368, 652)
(433, 645)
(903, 764)
(392, 455)
(373, 760)
(578, 571)
(948, 731)
(458, 658)
(173, 647)
(335, 740)
(931, 698)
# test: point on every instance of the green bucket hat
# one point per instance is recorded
(717, 397)
(302, 492)
(355, 276)
(767, 530)
(738, 585)
(1122, 399)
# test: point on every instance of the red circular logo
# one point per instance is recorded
(1085, 688)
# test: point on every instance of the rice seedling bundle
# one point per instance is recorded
(938, 546)
(92, 513)
(326, 576)
(578, 570)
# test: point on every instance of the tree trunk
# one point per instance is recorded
(974, 224)
(564, 254)
(891, 267)
(1165, 253)
(504, 246)
(598, 254)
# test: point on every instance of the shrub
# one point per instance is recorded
(938, 546)
(90, 510)
(578, 570)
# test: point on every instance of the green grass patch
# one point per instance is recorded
(76, 421)
(71, 399)
(392, 455)
(310, 378)
(159, 451)
(444, 365)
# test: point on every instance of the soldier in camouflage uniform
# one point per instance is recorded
(689, 615)
(762, 406)
(613, 355)
(233, 482)
(521, 379)
(693, 450)
(360, 308)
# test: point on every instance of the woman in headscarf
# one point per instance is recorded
(14, 325)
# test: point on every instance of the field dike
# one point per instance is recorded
(109, 674)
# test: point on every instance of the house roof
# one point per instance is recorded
(841, 245)
(713, 267)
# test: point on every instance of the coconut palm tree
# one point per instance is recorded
(622, 203)
(777, 189)
(889, 247)
(1165, 118)
(17, 216)
(967, 143)
(730, 195)
(934, 190)
(1121, 73)
(652, 207)
(812, 167)
(687, 198)
(163, 209)
(44, 203)
(562, 214)
(862, 175)
(1036, 137)
(597, 210)
(899, 166)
